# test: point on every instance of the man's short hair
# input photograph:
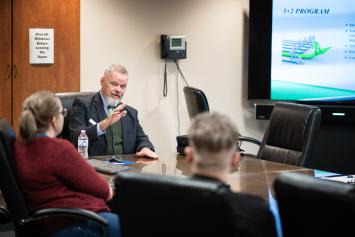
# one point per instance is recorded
(116, 68)
(212, 133)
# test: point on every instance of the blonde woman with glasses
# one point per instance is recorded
(52, 174)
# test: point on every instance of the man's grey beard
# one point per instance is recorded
(112, 102)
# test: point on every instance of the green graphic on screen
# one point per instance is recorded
(298, 51)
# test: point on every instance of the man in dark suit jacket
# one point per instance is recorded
(212, 152)
(112, 127)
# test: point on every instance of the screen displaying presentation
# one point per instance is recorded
(313, 50)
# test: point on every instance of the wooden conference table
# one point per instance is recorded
(253, 176)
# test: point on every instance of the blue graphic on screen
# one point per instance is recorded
(313, 50)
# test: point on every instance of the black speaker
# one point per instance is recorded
(263, 112)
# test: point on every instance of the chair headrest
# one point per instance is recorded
(168, 200)
(287, 117)
(196, 101)
(67, 99)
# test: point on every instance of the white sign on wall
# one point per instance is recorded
(41, 46)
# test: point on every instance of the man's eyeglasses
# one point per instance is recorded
(64, 112)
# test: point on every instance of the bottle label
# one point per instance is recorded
(83, 143)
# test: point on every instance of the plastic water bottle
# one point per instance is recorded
(83, 144)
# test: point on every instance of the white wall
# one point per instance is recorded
(128, 32)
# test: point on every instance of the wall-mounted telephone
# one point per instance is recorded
(173, 47)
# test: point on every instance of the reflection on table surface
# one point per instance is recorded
(253, 176)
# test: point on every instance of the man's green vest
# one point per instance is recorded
(114, 139)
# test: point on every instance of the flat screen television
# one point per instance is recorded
(302, 51)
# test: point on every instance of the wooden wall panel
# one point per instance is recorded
(62, 76)
(5, 59)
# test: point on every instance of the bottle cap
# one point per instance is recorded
(82, 130)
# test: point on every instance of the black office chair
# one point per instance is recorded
(196, 102)
(312, 207)
(7, 137)
(4, 216)
(67, 99)
(290, 135)
(153, 205)
(24, 220)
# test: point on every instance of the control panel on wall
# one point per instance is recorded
(173, 47)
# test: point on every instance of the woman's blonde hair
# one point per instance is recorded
(37, 113)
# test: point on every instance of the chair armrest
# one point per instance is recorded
(249, 139)
(4, 216)
(75, 213)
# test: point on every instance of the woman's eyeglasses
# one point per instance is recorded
(64, 112)
(237, 147)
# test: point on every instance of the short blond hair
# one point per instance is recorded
(212, 137)
(212, 132)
